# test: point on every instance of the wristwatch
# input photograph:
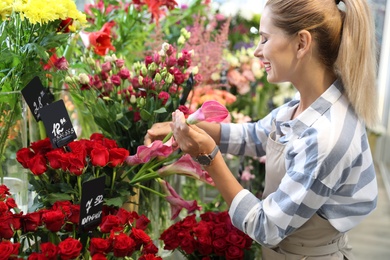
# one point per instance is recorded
(206, 159)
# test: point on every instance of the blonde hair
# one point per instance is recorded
(346, 43)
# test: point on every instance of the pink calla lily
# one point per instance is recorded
(210, 111)
(146, 153)
(177, 203)
(188, 167)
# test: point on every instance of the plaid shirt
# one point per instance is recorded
(329, 168)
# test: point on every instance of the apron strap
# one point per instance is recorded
(336, 246)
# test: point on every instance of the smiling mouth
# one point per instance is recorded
(267, 67)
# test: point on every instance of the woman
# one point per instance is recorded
(320, 177)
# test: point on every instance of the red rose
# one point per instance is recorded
(188, 222)
(123, 245)
(8, 249)
(109, 222)
(170, 238)
(142, 222)
(99, 156)
(150, 248)
(31, 221)
(220, 246)
(23, 156)
(63, 205)
(140, 236)
(96, 136)
(37, 164)
(54, 220)
(37, 256)
(3, 208)
(42, 146)
(234, 253)
(236, 239)
(4, 191)
(117, 156)
(218, 231)
(74, 214)
(188, 244)
(6, 228)
(49, 250)
(54, 158)
(99, 256)
(16, 223)
(70, 248)
(123, 216)
(76, 163)
(99, 245)
(80, 147)
(150, 257)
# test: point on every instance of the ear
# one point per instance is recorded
(304, 43)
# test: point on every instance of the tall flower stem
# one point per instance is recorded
(113, 181)
(151, 190)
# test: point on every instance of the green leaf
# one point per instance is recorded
(116, 202)
(53, 197)
(145, 115)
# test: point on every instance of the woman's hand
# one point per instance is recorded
(190, 138)
(158, 131)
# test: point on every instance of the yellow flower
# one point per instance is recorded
(5, 8)
(44, 11)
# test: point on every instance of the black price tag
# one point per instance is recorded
(57, 123)
(91, 206)
(36, 96)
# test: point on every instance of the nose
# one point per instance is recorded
(258, 51)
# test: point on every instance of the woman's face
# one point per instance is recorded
(276, 50)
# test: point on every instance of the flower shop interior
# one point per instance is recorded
(81, 82)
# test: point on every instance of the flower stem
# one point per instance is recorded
(151, 190)
(166, 138)
(113, 181)
(79, 185)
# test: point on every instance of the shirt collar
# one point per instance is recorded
(308, 117)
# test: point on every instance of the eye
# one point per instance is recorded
(263, 39)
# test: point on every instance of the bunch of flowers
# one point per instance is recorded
(52, 233)
(57, 174)
(125, 102)
(30, 31)
(211, 237)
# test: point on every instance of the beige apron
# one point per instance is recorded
(317, 239)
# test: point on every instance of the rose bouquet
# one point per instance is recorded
(52, 233)
(211, 237)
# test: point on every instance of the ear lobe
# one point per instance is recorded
(304, 43)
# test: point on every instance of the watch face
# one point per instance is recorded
(204, 160)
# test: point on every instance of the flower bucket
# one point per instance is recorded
(13, 121)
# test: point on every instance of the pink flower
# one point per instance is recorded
(176, 202)
(210, 111)
(146, 153)
(188, 167)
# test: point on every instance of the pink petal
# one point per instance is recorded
(188, 167)
(177, 203)
(146, 153)
(210, 111)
